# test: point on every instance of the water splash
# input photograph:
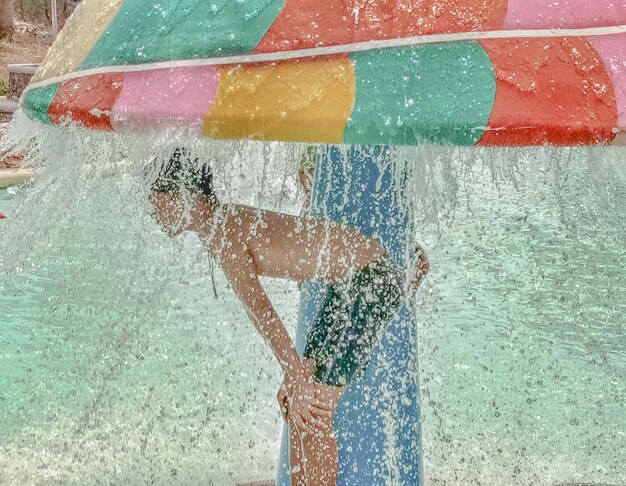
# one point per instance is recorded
(122, 364)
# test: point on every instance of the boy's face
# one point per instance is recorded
(170, 212)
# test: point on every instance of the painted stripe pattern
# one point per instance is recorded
(404, 72)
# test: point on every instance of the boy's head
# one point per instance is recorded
(183, 173)
(180, 177)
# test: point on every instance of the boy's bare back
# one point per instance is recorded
(286, 246)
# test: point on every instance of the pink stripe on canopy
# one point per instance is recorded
(173, 97)
(564, 14)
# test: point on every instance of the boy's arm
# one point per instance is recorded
(238, 266)
(303, 405)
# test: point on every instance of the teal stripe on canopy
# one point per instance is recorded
(37, 102)
(440, 93)
(144, 32)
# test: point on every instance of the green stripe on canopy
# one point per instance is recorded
(144, 32)
(37, 101)
(441, 93)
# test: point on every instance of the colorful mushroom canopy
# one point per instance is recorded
(403, 72)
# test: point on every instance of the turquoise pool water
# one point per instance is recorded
(119, 365)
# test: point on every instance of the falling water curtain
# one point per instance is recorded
(371, 76)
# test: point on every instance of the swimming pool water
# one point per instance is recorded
(118, 365)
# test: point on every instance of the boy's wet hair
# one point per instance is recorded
(184, 173)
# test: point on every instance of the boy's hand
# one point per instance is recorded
(281, 396)
(422, 267)
(307, 404)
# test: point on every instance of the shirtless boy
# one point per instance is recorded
(365, 290)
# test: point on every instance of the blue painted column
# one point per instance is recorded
(377, 421)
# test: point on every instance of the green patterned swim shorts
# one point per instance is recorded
(350, 320)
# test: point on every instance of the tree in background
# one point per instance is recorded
(66, 9)
(35, 11)
(39, 11)
(6, 18)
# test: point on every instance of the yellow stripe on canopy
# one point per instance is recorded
(306, 100)
(84, 28)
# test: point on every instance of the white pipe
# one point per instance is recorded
(11, 177)
(340, 49)
(54, 16)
